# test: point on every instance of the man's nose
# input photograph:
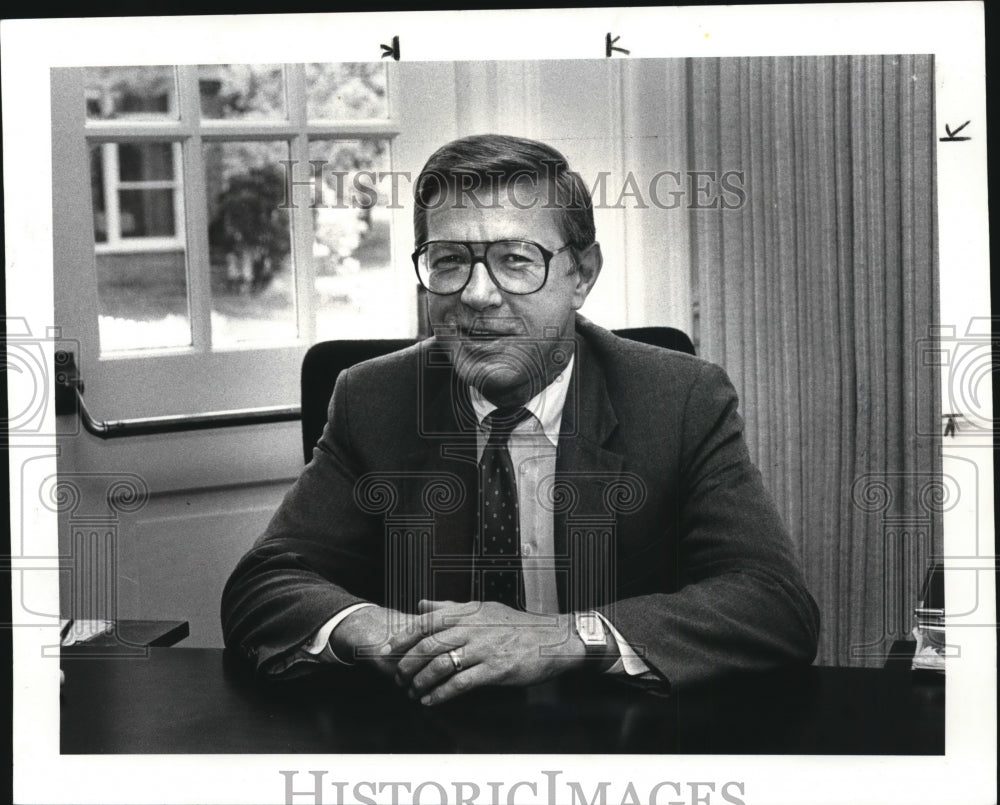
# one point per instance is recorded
(481, 292)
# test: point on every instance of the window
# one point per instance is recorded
(137, 194)
(238, 205)
(213, 309)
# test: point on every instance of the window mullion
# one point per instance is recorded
(149, 184)
(180, 220)
(301, 218)
(109, 164)
(199, 273)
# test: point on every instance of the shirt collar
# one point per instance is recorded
(546, 406)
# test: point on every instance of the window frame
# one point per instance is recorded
(189, 132)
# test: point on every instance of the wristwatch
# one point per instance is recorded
(590, 629)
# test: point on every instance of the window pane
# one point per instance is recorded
(253, 281)
(138, 162)
(146, 213)
(352, 91)
(351, 250)
(241, 91)
(141, 287)
(143, 297)
(115, 92)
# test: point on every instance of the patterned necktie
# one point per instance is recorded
(499, 529)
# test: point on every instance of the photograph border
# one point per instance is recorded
(953, 32)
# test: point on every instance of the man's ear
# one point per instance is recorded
(588, 266)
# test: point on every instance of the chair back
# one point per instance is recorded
(325, 361)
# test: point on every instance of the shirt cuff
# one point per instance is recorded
(320, 643)
(628, 661)
(317, 649)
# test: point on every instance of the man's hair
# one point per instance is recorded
(494, 161)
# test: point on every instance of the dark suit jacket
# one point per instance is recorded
(661, 521)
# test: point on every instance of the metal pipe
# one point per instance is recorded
(118, 428)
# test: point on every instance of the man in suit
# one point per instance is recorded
(524, 494)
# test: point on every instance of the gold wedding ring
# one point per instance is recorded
(456, 661)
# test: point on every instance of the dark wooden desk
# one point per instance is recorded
(195, 701)
(127, 634)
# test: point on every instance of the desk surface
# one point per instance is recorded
(128, 635)
(180, 700)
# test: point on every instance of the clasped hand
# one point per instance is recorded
(447, 649)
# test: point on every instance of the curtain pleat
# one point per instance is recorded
(813, 295)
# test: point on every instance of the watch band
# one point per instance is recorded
(590, 629)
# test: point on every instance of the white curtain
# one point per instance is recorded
(814, 295)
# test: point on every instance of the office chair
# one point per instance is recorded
(326, 360)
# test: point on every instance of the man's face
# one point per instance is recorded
(509, 346)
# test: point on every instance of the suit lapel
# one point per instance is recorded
(440, 481)
(584, 528)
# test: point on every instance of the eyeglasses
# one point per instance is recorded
(516, 266)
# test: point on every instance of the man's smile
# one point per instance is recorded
(485, 335)
(483, 330)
